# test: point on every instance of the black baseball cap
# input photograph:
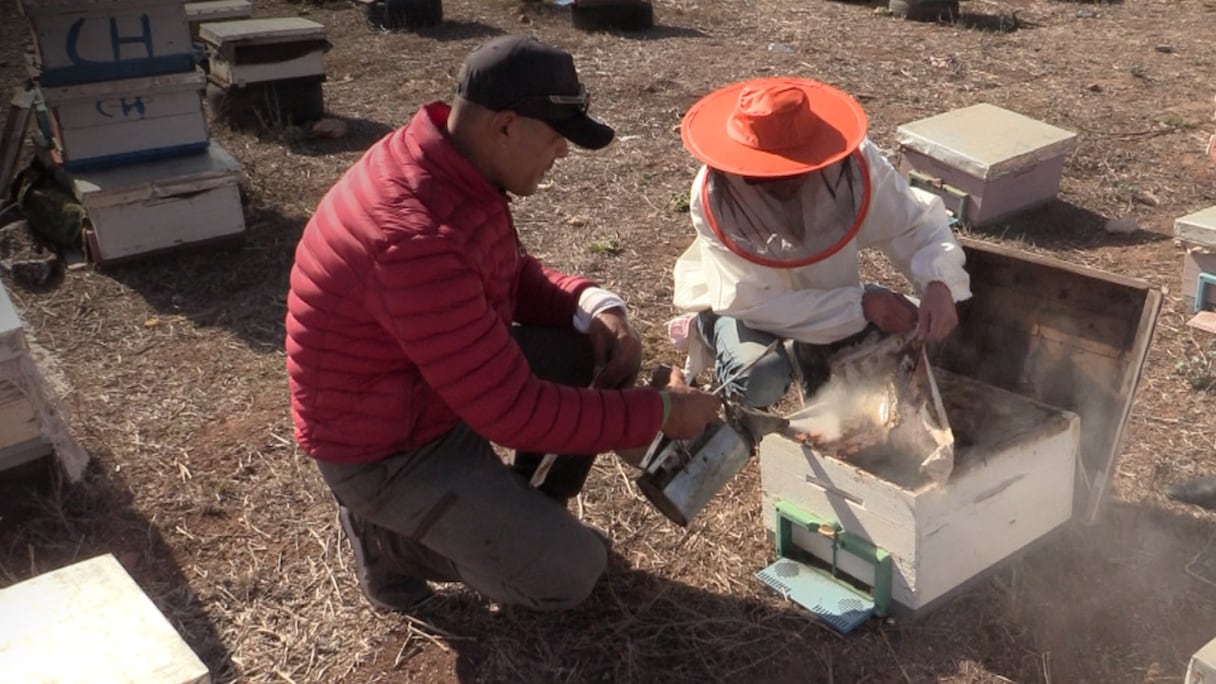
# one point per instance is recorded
(532, 79)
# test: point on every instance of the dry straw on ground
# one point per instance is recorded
(177, 386)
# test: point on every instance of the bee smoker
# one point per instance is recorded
(680, 476)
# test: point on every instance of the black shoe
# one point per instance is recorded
(383, 588)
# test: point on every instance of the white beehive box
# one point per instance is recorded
(111, 123)
(263, 50)
(1198, 228)
(1015, 477)
(198, 13)
(90, 622)
(20, 438)
(81, 41)
(1041, 374)
(162, 205)
(1005, 162)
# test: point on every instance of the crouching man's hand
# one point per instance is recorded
(617, 349)
(692, 410)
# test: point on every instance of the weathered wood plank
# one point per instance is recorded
(1069, 336)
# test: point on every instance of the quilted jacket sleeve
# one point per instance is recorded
(546, 296)
(424, 293)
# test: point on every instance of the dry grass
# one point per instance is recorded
(178, 391)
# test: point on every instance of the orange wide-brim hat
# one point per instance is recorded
(773, 127)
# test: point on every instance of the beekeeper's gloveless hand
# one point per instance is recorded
(938, 315)
(890, 311)
(689, 410)
(617, 349)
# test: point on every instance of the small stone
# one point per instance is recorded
(524, 19)
(1094, 87)
(330, 129)
(1122, 226)
(577, 221)
(1164, 49)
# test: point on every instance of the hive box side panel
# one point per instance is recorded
(1194, 263)
(230, 73)
(997, 198)
(18, 421)
(12, 334)
(108, 41)
(863, 506)
(152, 225)
(988, 514)
(90, 622)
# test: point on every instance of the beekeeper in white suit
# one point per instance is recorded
(790, 191)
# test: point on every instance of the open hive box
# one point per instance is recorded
(1037, 384)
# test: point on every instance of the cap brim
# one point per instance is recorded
(703, 131)
(585, 131)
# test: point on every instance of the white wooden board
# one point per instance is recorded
(260, 31)
(90, 622)
(12, 334)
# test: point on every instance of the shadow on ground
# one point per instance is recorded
(1062, 226)
(1085, 604)
(47, 524)
(241, 287)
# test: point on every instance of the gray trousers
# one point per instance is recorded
(456, 512)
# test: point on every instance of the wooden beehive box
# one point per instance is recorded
(198, 13)
(1003, 161)
(1014, 466)
(152, 207)
(1038, 381)
(90, 622)
(111, 123)
(81, 41)
(262, 50)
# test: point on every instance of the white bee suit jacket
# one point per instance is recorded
(821, 302)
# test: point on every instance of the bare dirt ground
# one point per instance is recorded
(176, 385)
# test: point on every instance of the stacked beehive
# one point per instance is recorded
(125, 121)
(265, 72)
(31, 425)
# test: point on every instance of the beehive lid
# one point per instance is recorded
(210, 10)
(90, 622)
(1068, 336)
(985, 141)
(1198, 228)
(260, 31)
(164, 178)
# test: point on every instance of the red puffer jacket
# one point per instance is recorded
(405, 285)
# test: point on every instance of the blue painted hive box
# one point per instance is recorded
(82, 41)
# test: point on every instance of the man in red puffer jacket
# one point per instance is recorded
(419, 330)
